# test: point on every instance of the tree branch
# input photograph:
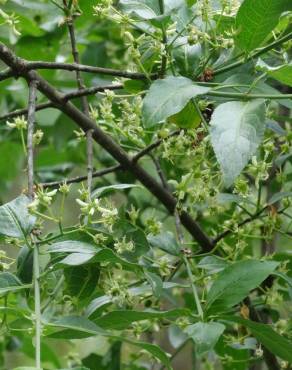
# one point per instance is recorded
(109, 145)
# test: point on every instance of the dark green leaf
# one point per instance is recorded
(120, 320)
(256, 19)
(165, 241)
(10, 283)
(235, 282)
(273, 341)
(83, 325)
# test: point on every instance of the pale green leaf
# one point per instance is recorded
(168, 97)
(156, 283)
(205, 335)
(281, 73)
(110, 188)
(73, 246)
(237, 129)
(279, 196)
(212, 264)
(15, 220)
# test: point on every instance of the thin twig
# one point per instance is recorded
(30, 171)
(77, 179)
(89, 69)
(84, 102)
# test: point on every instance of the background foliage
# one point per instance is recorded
(178, 255)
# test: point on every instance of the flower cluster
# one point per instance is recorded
(122, 246)
(20, 123)
(108, 214)
(42, 197)
(11, 20)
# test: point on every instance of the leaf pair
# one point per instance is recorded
(237, 128)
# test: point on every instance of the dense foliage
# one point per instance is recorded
(145, 174)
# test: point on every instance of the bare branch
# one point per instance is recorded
(85, 68)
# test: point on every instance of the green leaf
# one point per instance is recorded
(72, 246)
(237, 129)
(82, 253)
(165, 241)
(81, 281)
(15, 220)
(110, 188)
(235, 282)
(156, 283)
(10, 283)
(83, 325)
(264, 333)
(189, 117)
(224, 198)
(168, 97)
(256, 19)
(145, 9)
(120, 320)
(281, 73)
(205, 335)
(279, 196)
(212, 264)
(187, 57)
(134, 291)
